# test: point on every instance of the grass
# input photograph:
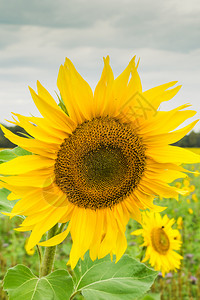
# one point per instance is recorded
(185, 284)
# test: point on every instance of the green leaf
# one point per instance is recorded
(84, 265)
(8, 154)
(20, 151)
(151, 296)
(21, 283)
(5, 204)
(126, 280)
(61, 104)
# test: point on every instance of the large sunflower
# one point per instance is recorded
(97, 162)
(161, 241)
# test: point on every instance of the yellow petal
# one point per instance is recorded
(169, 138)
(95, 244)
(133, 209)
(12, 196)
(39, 133)
(109, 241)
(165, 175)
(43, 93)
(68, 215)
(159, 188)
(78, 89)
(23, 164)
(146, 198)
(46, 125)
(135, 82)
(82, 231)
(165, 121)
(172, 154)
(161, 93)
(133, 102)
(103, 104)
(34, 181)
(44, 226)
(23, 229)
(137, 232)
(45, 149)
(58, 118)
(34, 197)
(36, 201)
(121, 245)
(59, 238)
(121, 83)
(64, 88)
(121, 215)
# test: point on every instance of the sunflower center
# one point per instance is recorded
(104, 166)
(160, 240)
(100, 164)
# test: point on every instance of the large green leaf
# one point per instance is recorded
(21, 283)
(126, 280)
(84, 265)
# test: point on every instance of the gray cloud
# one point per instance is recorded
(35, 37)
(60, 13)
(167, 25)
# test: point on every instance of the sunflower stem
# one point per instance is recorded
(49, 254)
(39, 253)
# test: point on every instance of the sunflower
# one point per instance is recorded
(97, 161)
(161, 241)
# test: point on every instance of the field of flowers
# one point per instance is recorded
(185, 284)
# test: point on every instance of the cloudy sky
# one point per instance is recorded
(37, 35)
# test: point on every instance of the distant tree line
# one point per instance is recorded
(190, 140)
(5, 143)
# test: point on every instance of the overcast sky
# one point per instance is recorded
(37, 35)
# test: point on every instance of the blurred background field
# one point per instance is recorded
(185, 284)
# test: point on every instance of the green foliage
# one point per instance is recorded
(151, 296)
(21, 283)
(61, 104)
(5, 204)
(8, 154)
(20, 151)
(103, 279)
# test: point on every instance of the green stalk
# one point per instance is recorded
(39, 254)
(49, 254)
